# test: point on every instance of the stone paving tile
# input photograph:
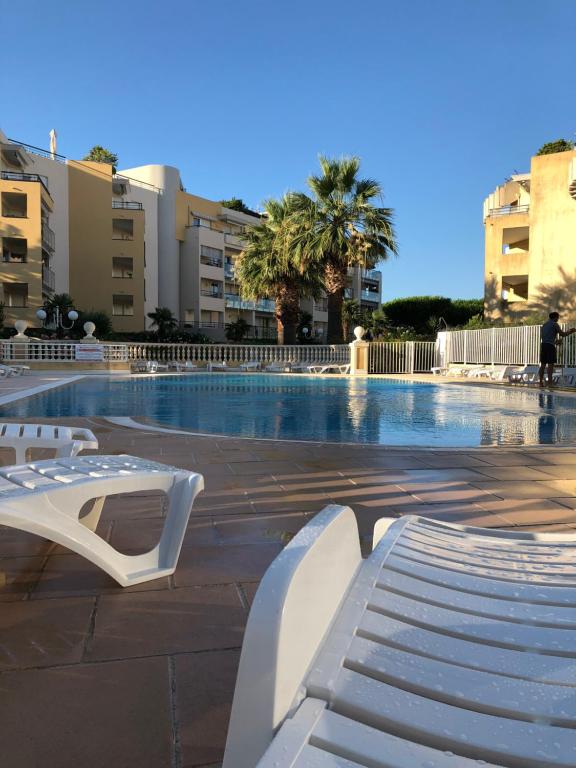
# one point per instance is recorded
(445, 492)
(134, 506)
(204, 689)
(134, 538)
(285, 505)
(504, 459)
(93, 715)
(560, 472)
(224, 565)
(561, 515)
(512, 489)
(418, 476)
(386, 495)
(450, 460)
(70, 575)
(167, 622)
(245, 468)
(43, 633)
(18, 575)
(15, 543)
(262, 528)
(555, 457)
(512, 473)
(565, 501)
(250, 590)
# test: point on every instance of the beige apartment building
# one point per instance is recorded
(530, 240)
(128, 242)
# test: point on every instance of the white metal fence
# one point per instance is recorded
(240, 353)
(507, 346)
(56, 351)
(401, 356)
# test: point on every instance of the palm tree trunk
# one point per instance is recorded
(287, 313)
(334, 332)
(334, 283)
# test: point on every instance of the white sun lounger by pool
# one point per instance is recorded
(215, 365)
(278, 367)
(250, 365)
(180, 366)
(449, 647)
(13, 370)
(46, 497)
(67, 441)
(325, 367)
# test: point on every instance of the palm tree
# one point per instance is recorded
(265, 269)
(164, 320)
(340, 227)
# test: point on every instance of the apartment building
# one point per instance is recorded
(530, 232)
(128, 242)
(66, 227)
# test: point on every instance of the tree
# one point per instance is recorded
(340, 227)
(57, 307)
(304, 322)
(100, 154)
(237, 204)
(560, 145)
(352, 315)
(163, 319)
(266, 269)
(236, 330)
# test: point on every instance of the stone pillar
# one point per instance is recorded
(358, 353)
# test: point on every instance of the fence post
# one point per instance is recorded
(526, 345)
(465, 353)
(410, 356)
(492, 346)
(359, 353)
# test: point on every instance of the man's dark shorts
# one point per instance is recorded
(548, 354)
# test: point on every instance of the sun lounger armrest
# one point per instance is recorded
(293, 609)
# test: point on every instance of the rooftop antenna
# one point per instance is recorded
(53, 142)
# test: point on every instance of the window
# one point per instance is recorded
(14, 250)
(211, 319)
(211, 289)
(211, 256)
(188, 315)
(14, 205)
(123, 305)
(122, 229)
(122, 266)
(16, 294)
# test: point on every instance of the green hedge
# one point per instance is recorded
(422, 313)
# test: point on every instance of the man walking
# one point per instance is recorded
(549, 334)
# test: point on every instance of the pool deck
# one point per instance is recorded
(93, 675)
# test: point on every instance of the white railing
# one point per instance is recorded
(56, 351)
(239, 353)
(401, 356)
(519, 345)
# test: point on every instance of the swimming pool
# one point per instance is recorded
(347, 410)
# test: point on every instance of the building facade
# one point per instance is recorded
(128, 242)
(530, 240)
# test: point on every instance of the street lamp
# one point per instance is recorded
(58, 318)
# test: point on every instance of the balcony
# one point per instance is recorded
(373, 274)
(235, 302)
(15, 176)
(370, 296)
(265, 305)
(507, 210)
(211, 261)
(48, 279)
(234, 240)
(321, 306)
(129, 205)
(229, 271)
(212, 294)
(48, 238)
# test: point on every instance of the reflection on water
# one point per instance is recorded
(326, 409)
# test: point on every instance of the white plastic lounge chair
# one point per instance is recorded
(449, 646)
(144, 366)
(217, 366)
(302, 365)
(250, 365)
(13, 370)
(326, 367)
(45, 498)
(180, 366)
(524, 375)
(276, 367)
(67, 441)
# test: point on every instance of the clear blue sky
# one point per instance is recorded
(441, 99)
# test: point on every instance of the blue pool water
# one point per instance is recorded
(389, 412)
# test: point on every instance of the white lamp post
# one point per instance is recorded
(58, 321)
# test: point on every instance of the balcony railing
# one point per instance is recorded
(48, 238)
(265, 305)
(373, 274)
(48, 278)
(130, 205)
(370, 296)
(229, 271)
(506, 210)
(15, 176)
(211, 261)
(233, 240)
(212, 294)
